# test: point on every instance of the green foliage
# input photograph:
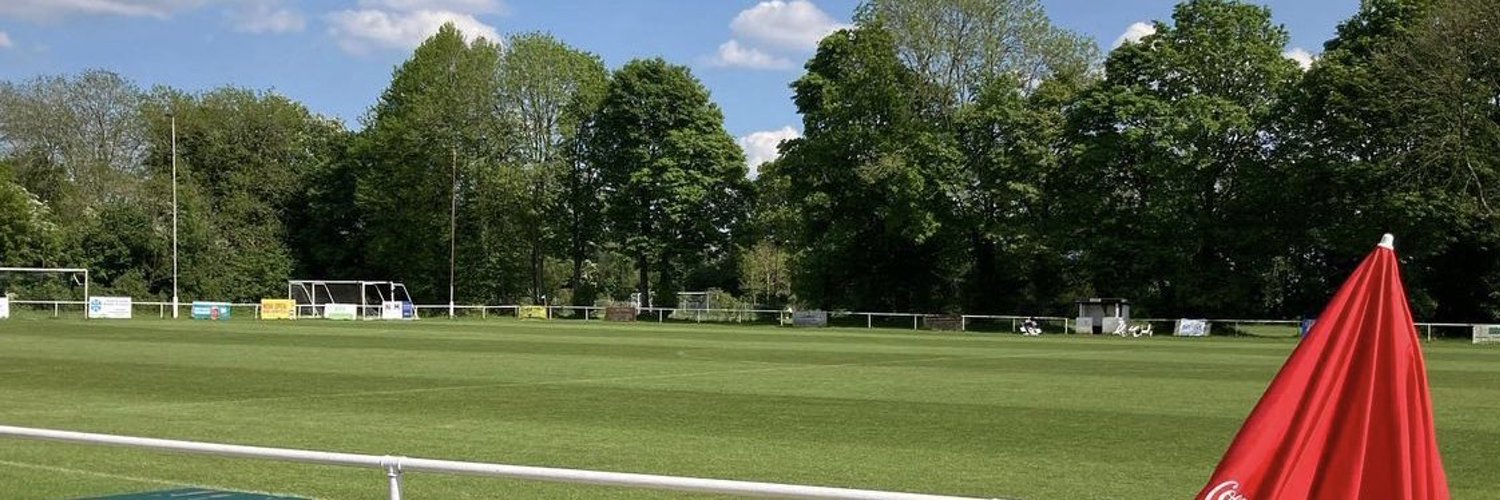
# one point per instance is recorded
(959, 46)
(765, 275)
(434, 141)
(242, 158)
(29, 236)
(958, 155)
(869, 182)
(672, 180)
(549, 89)
(1161, 194)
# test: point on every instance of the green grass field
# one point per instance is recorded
(1057, 417)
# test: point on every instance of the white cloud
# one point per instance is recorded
(760, 147)
(764, 36)
(51, 10)
(1135, 33)
(1302, 56)
(792, 25)
(266, 16)
(5, 42)
(732, 55)
(360, 31)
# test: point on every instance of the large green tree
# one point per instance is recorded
(961, 45)
(1160, 200)
(548, 89)
(434, 148)
(672, 179)
(1011, 145)
(242, 158)
(1395, 130)
(869, 182)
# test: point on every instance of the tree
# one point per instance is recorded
(961, 45)
(547, 88)
(28, 235)
(673, 180)
(1393, 130)
(242, 158)
(869, 183)
(78, 145)
(434, 148)
(75, 142)
(764, 274)
(1011, 145)
(1160, 195)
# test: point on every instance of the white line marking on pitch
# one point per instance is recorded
(420, 390)
(135, 479)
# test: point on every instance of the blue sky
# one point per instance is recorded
(337, 55)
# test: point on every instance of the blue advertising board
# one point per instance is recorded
(213, 311)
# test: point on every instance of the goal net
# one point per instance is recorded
(43, 291)
(349, 299)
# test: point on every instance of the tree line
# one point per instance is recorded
(957, 155)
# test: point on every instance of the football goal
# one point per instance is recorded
(349, 298)
(49, 290)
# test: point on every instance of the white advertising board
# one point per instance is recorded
(1485, 334)
(109, 307)
(810, 318)
(1192, 328)
(395, 310)
(340, 311)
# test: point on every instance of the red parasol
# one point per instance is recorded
(1349, 415)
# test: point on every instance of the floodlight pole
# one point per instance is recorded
(173, 116)
(452, 230)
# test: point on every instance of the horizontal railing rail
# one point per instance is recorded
(395, 466)
(706, 315)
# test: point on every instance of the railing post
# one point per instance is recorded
(869, 321)
(658, 316)
(54, 309)
(392, 467)
(914, 322)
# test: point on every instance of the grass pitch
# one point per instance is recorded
(1057, 417)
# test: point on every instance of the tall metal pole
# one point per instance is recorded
(173, 116)
(452, 231)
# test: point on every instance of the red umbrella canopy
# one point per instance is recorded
(1349, 415)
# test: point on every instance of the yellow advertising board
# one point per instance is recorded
(531, 312)
(277, 309)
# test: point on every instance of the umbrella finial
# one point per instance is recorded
(1388, 241)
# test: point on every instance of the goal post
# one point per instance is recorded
(38, 291)
(351, 299)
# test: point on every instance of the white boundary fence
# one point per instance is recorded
(662, 314)
(395, 466)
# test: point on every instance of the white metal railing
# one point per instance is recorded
(662, 313)
(395, 466)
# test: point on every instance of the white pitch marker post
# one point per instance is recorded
(394, 467)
